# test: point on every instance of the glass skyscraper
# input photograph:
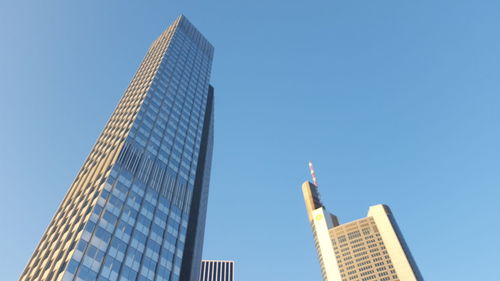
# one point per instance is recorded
(136, 210)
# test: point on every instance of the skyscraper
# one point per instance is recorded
(371, 248)
(215, 270)
(136, 210)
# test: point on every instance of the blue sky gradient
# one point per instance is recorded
(395, 102)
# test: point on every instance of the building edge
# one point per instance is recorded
(191, 262)
(404, 263)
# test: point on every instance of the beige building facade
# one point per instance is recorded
(367, 249)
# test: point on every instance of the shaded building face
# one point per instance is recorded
(136, 210)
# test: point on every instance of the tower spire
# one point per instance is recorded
(311, 168)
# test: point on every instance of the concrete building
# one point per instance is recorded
(368, 249)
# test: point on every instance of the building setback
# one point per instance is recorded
(136, 210)
(368, 249)
(217, 270)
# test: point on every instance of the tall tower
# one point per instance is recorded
(136, 210)
(371, 248)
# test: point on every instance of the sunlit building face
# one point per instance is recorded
(367, 249)
(136, 210)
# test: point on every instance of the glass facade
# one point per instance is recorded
(136, 210)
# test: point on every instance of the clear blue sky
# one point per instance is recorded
(394, 101)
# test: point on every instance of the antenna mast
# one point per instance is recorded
(312, 173)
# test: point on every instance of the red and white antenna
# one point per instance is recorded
(312, 173)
